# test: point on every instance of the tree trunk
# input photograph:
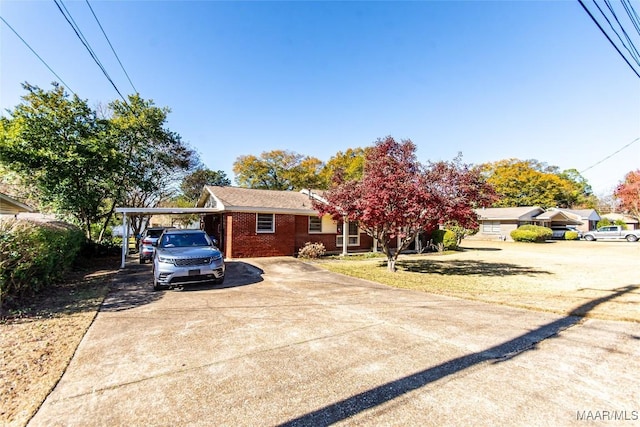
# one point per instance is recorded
(391, 264)
(106, 222)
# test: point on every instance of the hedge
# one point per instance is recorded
(571, 235)
(34, 255)
(531, 233)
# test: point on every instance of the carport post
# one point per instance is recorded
(125, 239)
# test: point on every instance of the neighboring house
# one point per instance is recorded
(632, 223)
(257, 223)
(498, 223)
(588, 217)
(11, 207)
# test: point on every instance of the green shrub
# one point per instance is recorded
(531, 233)
(524, 235)
(312, 250)
(571, 235)
(34, 255)
(444, 239)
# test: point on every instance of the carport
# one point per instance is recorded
(151, 211)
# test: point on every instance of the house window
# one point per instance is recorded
(315, 224)
(354, 234)
(491, 227)
(265, 223)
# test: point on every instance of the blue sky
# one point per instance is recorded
(493, 80)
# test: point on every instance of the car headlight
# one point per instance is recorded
(166, 260)
(216, 258)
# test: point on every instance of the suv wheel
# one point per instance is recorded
(156, 285)
(631, 238)
(589, 238)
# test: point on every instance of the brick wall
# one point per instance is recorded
(291, 233)
(249, 243)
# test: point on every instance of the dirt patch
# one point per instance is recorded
(40, 337)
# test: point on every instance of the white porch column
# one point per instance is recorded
(345, 235)
(125, 239)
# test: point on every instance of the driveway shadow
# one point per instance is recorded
(465, 268)
(238, 274)
(133, 286)
(371, 398)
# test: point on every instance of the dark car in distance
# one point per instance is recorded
(559, 232)
(147, 240)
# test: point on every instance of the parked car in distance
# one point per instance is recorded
(149, 237)
(612, 232)
(559, 232)
(186, 257)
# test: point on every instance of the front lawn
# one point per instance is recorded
(555, 277)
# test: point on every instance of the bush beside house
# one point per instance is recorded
(444, 239)
(34, 255)
(531, 233)
(571, 235)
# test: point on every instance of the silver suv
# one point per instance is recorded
(186, 257)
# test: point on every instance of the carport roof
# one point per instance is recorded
(163, 211)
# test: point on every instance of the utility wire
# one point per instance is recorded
(611, 155)
(634, 54)
(607, 36)
(631, 13)
(77, 31)
(38, 56)
(111, 46)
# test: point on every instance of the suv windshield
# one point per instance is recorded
(177, 240)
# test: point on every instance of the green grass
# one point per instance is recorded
(505, 283)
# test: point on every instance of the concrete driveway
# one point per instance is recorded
(285, 343)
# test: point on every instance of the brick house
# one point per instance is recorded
(256, 223)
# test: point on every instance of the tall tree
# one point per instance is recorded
(350, 163)
(398, 198)
(462, 189)
(532, 183)
(579, 194)
(193, 183)
(153, 159)
(278, 170)
(58, 145)
(628, 193)
(84, 166)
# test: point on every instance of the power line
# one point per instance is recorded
(38, 56)
(78, 33)
(631, 13)
(611, 155)
(607, 35)
(613, 14)
(111, 46)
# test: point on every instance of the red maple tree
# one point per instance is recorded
(398, 197)
(628, 193)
